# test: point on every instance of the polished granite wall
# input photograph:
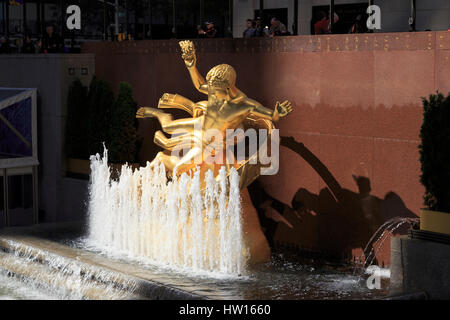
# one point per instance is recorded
(357, 108)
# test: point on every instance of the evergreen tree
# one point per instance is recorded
(122, 142)
(76, 126)
(100, 102)
(435, 152)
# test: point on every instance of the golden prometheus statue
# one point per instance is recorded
(203, 138)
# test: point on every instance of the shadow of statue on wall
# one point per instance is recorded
(345, 220)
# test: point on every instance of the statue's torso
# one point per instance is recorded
(223, 115)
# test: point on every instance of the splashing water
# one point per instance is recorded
(384, 231)
(45, 275)
(144, 216)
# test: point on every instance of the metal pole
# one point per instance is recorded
(24, 14)
(174, 13)
(42, 18)
(104, 20)
(412, 16)
(295, 31)
(127, 17)
(135, 20)
(261, 11)
(3, 17)
(330, 26)
(63, 13)
(38, 18)
(35, 196)
(5, 196)
(116, 18)
(230, 18)
(151, 19)
(202, 12)
(7, 19)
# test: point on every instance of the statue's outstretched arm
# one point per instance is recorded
(190, 59)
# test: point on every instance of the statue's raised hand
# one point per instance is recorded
(283, 108)
(188, 53)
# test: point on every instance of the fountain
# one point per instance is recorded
(183, 226)
(145, 217)
(195, 220)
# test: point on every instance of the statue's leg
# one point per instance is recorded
(188, 162)
(180, 126)
(188, 125)
(175, 163)
(168, 161)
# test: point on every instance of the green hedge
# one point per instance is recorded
(435, 152)
(100, 103)
(95, 117)
(122, 138)
(77, 112)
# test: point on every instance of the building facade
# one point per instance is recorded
(433, 15)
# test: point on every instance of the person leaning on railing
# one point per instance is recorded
(277, 28)
(4, 45)
(250, 32)
(322, 26)
(28, 46)
(210, 32)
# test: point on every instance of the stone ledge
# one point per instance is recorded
(419, 265)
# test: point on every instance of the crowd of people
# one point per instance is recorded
(256, 29)
(51, 42)
(322, 26)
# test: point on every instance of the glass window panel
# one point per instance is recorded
(20, 117)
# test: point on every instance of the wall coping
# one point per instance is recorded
(48, 56)
(406, 41)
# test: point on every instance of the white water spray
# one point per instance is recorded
(171, 223)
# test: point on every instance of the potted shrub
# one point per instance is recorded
(94, 118)
(100, 102)
(435, 163)
(122, 141)
(87, 123)
(76, 129)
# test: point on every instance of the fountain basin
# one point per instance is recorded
(420, 265)
(53, 258)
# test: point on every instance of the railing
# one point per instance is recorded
(6, 173)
